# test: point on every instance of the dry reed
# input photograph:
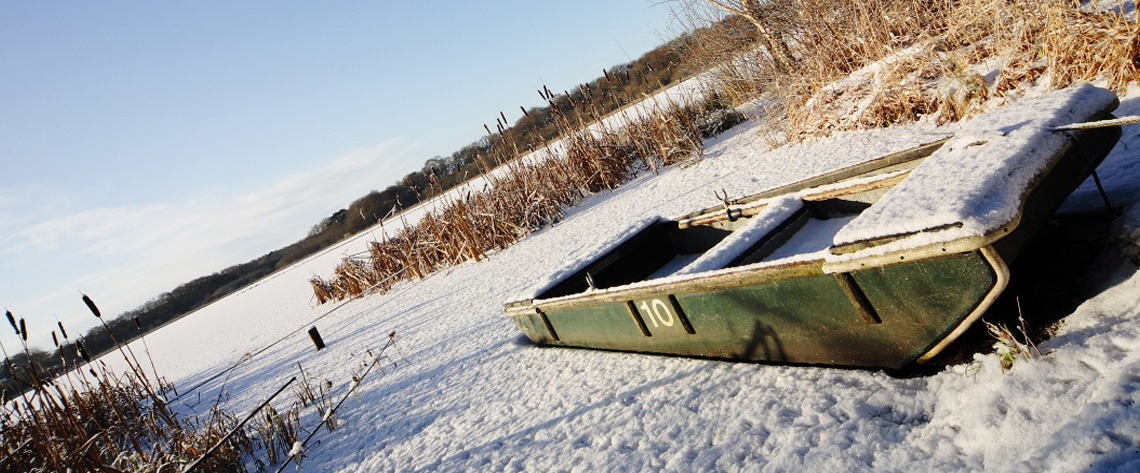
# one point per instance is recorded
(528, 193)
(860, 65)
(90, 419)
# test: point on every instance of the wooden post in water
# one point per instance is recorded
(316, 336)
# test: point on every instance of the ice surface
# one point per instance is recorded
(978, 178)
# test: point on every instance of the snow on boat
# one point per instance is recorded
(882, 264)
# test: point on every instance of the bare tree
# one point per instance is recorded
(753, 11)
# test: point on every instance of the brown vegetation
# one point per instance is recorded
(926, 55)
(527, 194)
(89, 419)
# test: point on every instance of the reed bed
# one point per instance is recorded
(87, 418)
(858, 65)
(90, 419)
(527, 194)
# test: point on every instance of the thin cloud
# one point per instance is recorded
(142, 251)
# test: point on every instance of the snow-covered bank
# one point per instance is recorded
(468, 393)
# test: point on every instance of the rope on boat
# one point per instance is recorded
(1099, 124)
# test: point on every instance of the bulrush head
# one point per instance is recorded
(82, 349)
(12, 320)
(91, 305)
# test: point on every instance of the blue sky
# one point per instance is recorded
(143, 144)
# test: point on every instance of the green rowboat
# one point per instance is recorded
(880, 265)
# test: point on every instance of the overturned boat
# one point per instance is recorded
(882, 264)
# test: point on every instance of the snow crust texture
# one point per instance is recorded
(978, 179)
(462, 390)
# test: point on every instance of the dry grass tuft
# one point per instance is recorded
(871, 64)
(90, 419)
(93, 420)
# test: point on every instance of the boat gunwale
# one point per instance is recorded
(717, 279)
(813, 194)
(831, 177)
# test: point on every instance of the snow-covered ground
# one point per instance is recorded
(463, 390)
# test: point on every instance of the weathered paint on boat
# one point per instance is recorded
(889, 310)
(791, 318)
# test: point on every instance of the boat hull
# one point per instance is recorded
(798, 318)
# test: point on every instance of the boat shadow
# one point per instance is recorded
(764, 340)
(1060, 268)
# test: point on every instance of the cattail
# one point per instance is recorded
(138, 326)
(501, 114)
(524, 111)
(91, 305)
(12, 320)
(23, 329)
(82, 349)
(54, 339)
(485, 127)
(61, 330)
(607, 74)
